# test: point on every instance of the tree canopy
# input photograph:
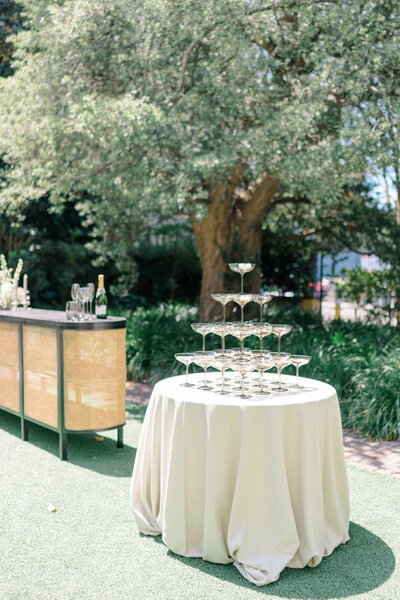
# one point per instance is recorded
(229, 111)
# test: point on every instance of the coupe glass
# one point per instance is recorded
(90, 296)
(262, 362)
(242, 300)
(280, 360)
(222, 329)
(261, 299)
(279, 330)
(223, 299)
(222, 363)
(242, 366)
(238, 354)
(75, 291)
(186, 358)
(261, 330)
(298, 360)
(203, 329)
(204, 359)
(241, 268)
(242, 331)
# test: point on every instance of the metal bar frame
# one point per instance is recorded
(10, 410)
(24, 423)
(63, 442)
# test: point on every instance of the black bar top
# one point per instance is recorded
(57, 318)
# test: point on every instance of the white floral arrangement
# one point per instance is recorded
(8, 282)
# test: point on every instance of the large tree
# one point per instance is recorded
(223, 109)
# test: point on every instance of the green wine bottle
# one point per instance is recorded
(101, 299)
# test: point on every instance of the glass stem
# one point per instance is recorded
(224, 313)
(187, 373)
(241, 347)
(279, 342)
(261, 339)
(205, 376)
(297, 375)
(261, 312)
(204, 342)
(242, 383)
(223, 343)
(279, 377)
(241, 314)
(241, 283)
(223, 379)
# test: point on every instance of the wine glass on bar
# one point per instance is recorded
(90, 296)
(242, 300)
(69, 310)
(75, 291)
(186, 358)
(204, 359)
(223, 299)
(203, 329)
(241, 268)
(82, 297)
(280, 360)
(279, 330)
(261, 300)
(298, 360)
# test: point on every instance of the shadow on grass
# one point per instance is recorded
(361, 565)
(135, 411)
(83, 450)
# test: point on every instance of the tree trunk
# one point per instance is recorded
(231, 232)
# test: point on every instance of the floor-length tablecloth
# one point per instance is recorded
(260, 482)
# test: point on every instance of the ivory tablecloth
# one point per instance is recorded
(259, 482)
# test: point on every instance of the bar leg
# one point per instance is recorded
(24, 430)
(120, 439)
(63, 446)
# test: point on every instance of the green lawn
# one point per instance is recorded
(90, 548)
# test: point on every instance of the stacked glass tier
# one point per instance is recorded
(241, 360)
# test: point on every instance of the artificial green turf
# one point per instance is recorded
(90, 548)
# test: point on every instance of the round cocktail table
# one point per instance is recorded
(259, 482)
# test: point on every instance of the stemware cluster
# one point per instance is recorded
(242, 361)
(80, 308)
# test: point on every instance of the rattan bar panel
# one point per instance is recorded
(9, 366)
(94, 379)
(40, 374)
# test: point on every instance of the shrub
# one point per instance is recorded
(154, 335)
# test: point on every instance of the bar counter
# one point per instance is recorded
(68, 376)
